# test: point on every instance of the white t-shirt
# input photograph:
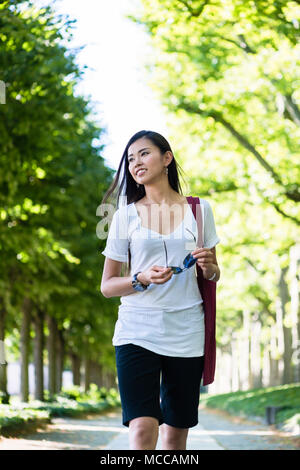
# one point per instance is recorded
(165, 318)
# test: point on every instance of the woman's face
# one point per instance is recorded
(144, 154)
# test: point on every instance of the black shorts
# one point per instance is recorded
(174, 401)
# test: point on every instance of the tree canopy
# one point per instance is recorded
(227, 74)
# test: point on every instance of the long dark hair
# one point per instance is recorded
(127, 185)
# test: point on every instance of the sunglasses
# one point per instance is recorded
(188, 261)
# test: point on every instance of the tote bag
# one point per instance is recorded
(208, 293)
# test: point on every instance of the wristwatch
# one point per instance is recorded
(137, 285)
(212, 277)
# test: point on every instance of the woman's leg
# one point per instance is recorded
(173, 438)
(143, 433)
(139, 385)
(180, 393)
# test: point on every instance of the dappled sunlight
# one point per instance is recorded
(223, 432)
(88, 427)
(219, 83)
(32, 444)
(70, 433)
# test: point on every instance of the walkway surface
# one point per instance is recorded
(216, 431)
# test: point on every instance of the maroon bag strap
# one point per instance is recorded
(208, 293)
(196, 208)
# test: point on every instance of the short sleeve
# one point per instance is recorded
(117, 239)
(210, 234)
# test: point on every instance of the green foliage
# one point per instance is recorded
(254, 402)
(72, 402)
(93, 395)
(4, 398)
(62, 406)
(53, 178)
(13, 421)
(73, 393)
(291, 423)
(227, 75)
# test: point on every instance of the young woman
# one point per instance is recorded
(159, 334)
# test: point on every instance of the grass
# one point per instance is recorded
(254, 402)
(21, 417)
(14, 422)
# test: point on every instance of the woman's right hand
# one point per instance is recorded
(155, 275)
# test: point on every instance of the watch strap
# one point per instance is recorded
(135, 281)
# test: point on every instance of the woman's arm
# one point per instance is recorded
(112, 283)
(207, 260)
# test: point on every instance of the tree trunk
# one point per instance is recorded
(280, 338)
(25, 338)
(274, 357)
(59, 359)
(223, 376)
(255, 354)
(286, 328)
(235, 364)
(38, 355)
(273, 372)
(3, 363)
(295, 309)
(265, 367)
(87, 374)
(245, 351)
(109, 379)
(75, 369)
(51, 356)
(96, 374)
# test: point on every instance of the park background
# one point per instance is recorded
(221, 81)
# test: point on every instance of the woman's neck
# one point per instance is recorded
(168, 200)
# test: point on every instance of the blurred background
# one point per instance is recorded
(220, 80)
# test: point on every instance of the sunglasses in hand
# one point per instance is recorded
(188, 261)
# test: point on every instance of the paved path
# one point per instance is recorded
(93, 432)
(215, 431)
(198, 438)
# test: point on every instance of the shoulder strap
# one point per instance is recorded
(195, 203)
(208, 293)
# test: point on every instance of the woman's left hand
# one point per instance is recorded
(205, 259)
